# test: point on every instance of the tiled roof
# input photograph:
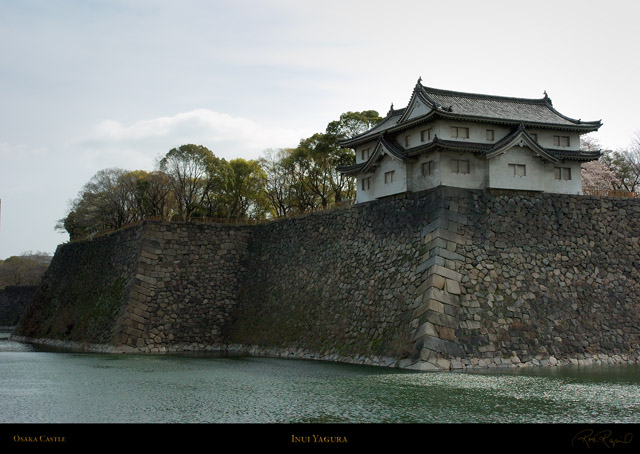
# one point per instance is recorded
(575, 155)
(475, 107)
(513, 110)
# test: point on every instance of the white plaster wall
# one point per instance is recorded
(573, 186)
(370, 145)
(419, 109)
(418, 182)
(494, 173)
(540, 173)
(364, 196)
(475, 179)
(442, 128)
(501, 176)
(378, 187)
(545, 138)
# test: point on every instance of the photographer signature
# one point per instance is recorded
(588, 439)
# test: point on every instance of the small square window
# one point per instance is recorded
(563, 173)
(389, 176)
(490, 135)
(427, 168)
(364, 154)
(459, 132)
(425, 135)
(518, 170)
(460, 166)
(366, 183)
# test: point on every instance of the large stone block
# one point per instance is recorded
(444, 272)
(453, 287)
(443, 296)
(441, 346)
(445, 234)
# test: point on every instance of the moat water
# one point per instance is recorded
(54, 387)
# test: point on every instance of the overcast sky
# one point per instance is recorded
(91, 84)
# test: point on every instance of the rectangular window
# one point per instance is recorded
(518, 170)
(534, 136)
(406, 141)
(459, 132)
(561, 141)
(490, 135)
(563, 173)
(366, 183)
(460, 165)
(425, 135)
(427, 168)
(388, 177)
(364, 154)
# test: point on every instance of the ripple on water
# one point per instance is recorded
(66, 387)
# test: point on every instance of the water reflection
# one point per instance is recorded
(38, 386)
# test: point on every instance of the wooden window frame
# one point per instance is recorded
(389, 177)
(456, 130)
(519, 170)
(562, 173)
(456, 168)
(427, 168)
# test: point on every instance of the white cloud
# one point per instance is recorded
(137, 145)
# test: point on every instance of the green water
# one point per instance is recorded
(47, 387)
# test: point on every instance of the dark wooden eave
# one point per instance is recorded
(482, 149)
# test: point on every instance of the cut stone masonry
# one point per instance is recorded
(437, 301)
(441, 280)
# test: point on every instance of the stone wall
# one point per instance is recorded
(449, 279)
(185, 287)
(439, 280)
(85, 290)
(13, 301)
(336, 285)
(551, 278)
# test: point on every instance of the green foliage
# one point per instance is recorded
(188, 169)
(305, 178)
(107, 201)
(245, 194)
(191, 182)
(351, 124)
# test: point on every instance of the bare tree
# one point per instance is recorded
(625, 163)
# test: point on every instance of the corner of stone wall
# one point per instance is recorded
(134, 319)
(437, 298)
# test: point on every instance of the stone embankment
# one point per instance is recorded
(13, 301)
(441, 280)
